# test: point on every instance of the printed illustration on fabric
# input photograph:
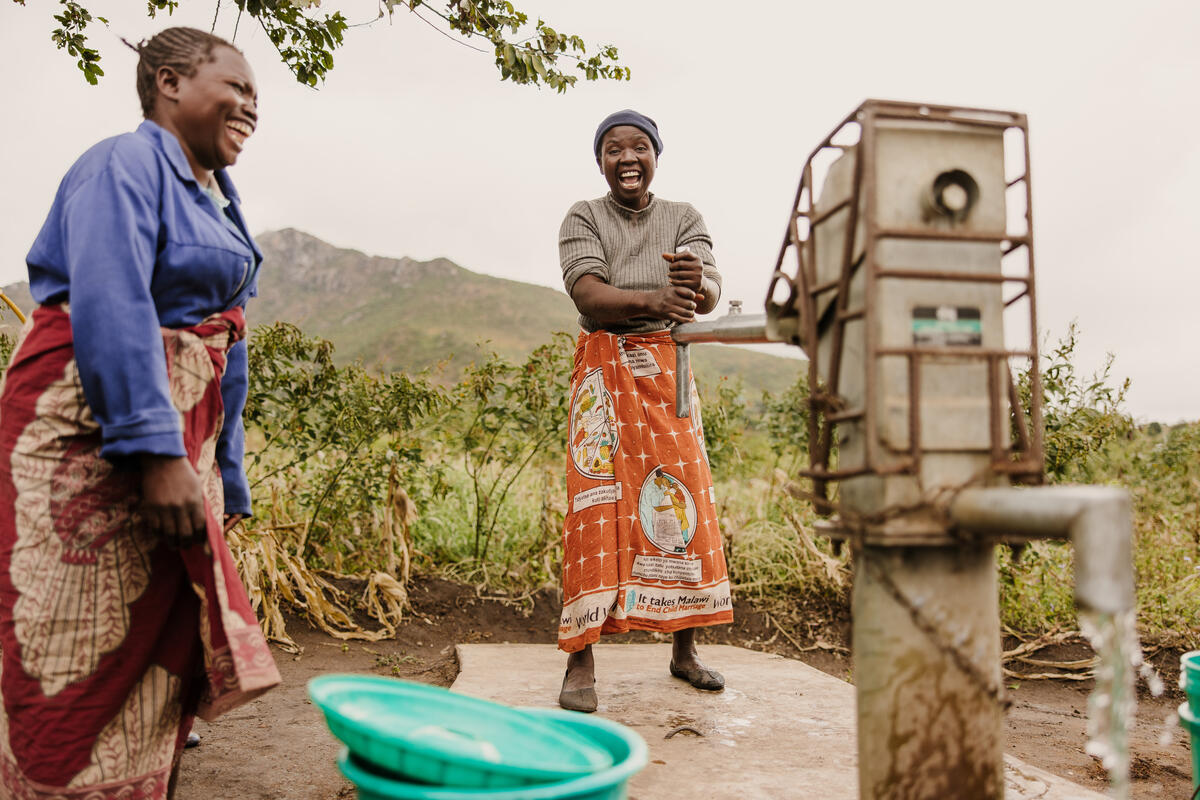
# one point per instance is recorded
(593, 427)
(69, 563)
(698, 420)
(666, 512)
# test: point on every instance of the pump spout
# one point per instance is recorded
(1097, 519)
(733, 328)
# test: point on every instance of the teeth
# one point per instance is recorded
(240, 127)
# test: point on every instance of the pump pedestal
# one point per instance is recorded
(927, 717)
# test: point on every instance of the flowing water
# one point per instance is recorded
(1112, 705)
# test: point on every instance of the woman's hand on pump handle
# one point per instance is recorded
(676, 303)
(173, 501)
(685, 269)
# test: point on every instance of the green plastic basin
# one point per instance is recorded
(431, 735)
(1189, 673)
(1191, 724)
(627, 750)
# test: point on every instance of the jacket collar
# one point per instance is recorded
(166, 143)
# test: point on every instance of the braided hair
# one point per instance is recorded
(182, 49)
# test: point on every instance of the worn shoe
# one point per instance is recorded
(701, 677)
(193, 740)
(578, 699)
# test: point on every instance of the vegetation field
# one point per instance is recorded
(363, 478)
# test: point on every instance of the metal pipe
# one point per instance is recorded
(683, 387)
(733, 328)
(948, 275)
(1035, 374)
(948, 236)
(729, 329)
(1097, 519)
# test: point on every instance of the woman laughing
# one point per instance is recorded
(641, 541)
(121, 445)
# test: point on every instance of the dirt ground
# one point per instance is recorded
(277, 748)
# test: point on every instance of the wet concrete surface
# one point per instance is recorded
(780, 729)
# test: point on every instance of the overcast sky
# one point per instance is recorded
(413, 147)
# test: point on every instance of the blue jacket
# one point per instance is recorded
(134, 244)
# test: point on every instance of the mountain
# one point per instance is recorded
(402, 314)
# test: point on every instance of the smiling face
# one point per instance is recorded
(627, 160)
(211, 112)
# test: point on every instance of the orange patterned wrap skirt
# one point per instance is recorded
(641, 541)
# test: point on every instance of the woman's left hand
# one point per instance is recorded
(231, 520)
(685, 269)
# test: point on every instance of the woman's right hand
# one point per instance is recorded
(173, 501)
(676, 303)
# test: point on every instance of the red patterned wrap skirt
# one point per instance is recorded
(642, 544)
(110, 641)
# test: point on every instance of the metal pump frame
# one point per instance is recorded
(958, 572)
(1018, 454)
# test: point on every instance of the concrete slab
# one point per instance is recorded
(781, 729)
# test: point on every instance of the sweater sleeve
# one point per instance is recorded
(231, 446)
(580, 251)
(109, 228)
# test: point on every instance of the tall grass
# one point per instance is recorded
(526, 551)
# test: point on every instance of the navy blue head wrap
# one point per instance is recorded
(628, 117)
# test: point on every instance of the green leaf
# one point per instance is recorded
(306, 39)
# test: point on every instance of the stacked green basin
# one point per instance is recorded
(410, 741)
(1189, 712)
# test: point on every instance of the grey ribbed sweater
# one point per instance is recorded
(624, 249)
